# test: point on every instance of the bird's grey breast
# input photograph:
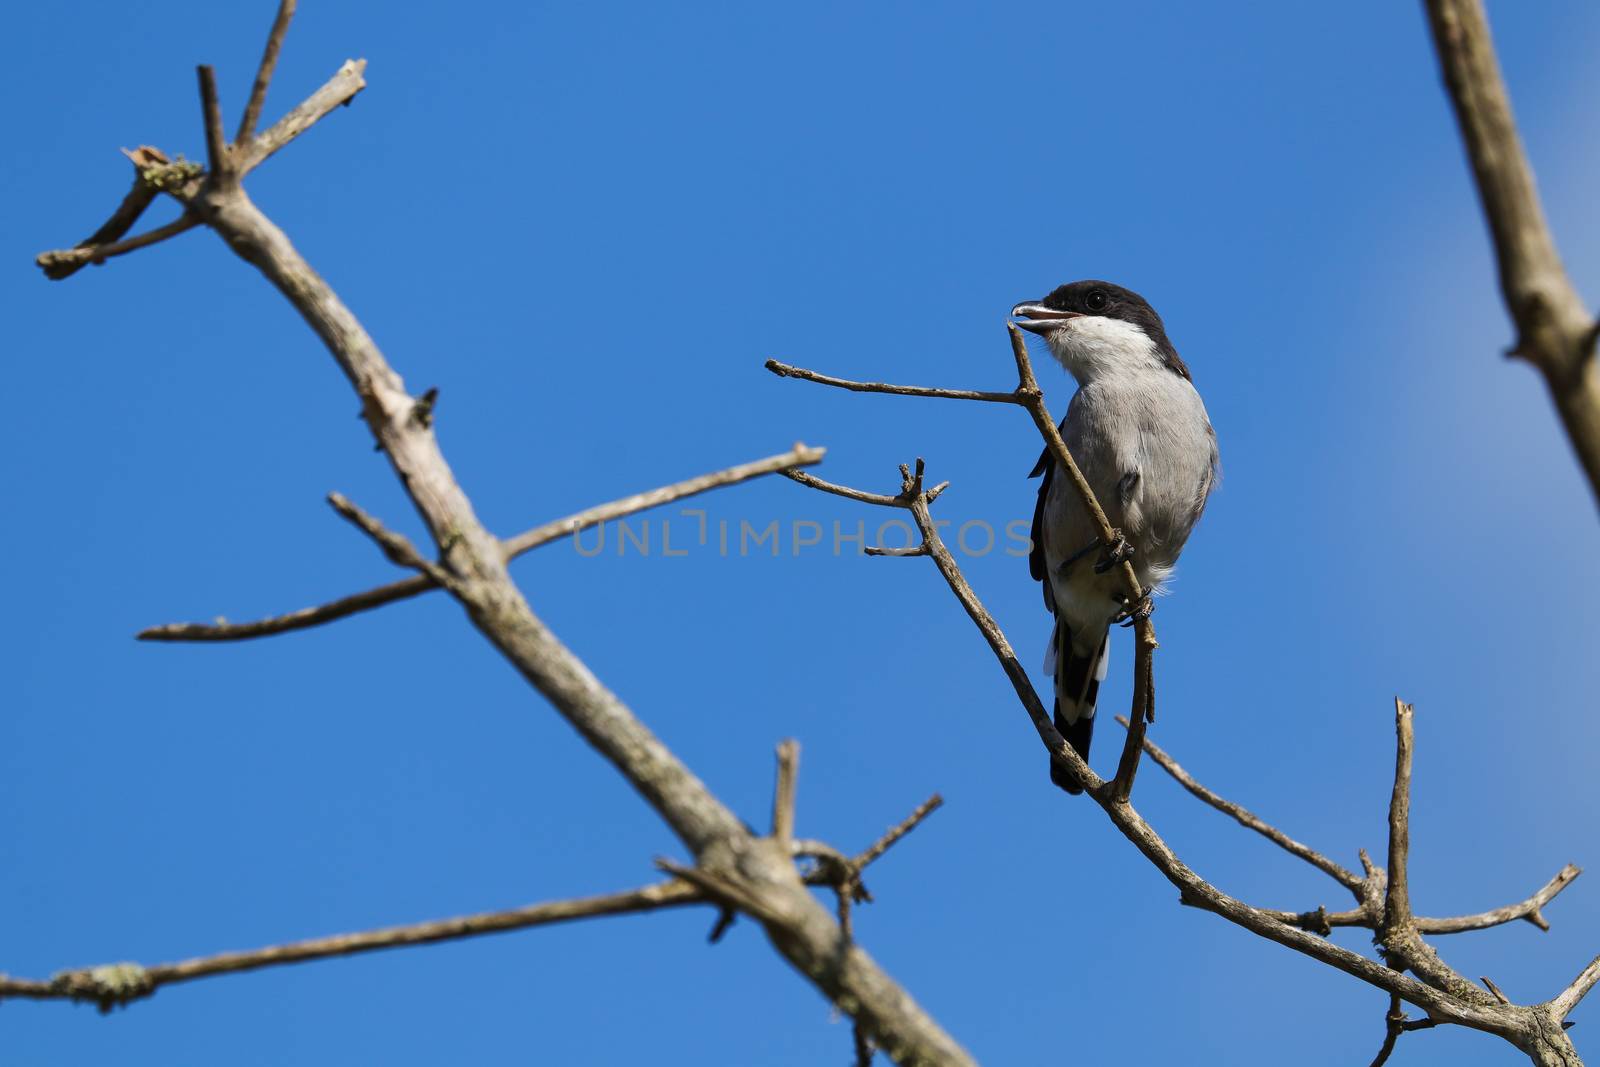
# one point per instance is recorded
(1146, 447)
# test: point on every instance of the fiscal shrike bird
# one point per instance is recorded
(1138, 431)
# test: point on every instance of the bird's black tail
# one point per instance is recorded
(1077, 688)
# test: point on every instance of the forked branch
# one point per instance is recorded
(1441, 993)
(784, 462)
(1529, 910)
(755, 872)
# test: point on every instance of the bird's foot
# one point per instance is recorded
(1111, 555)
(1138, 611)
(1115, 554)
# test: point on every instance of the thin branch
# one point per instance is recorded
(269, 61)
(783, 792)
(783, 370)
(397, 547)
(1144, 710)
(1529, 910)
(120, 983)
(1392, 1021)
(182, 180)
(1033, 401)
(799, 455)
(1062, 752)
(813, 482)
(899, 830)
(1579, 988)
(1555, 331)
(63, 264)
(218, 161)
(336, 91)
(1323, 920)
(1395, 1023)
(303, 619)
(910, 550)
(1249, 820)
(1397, 900)
(67, 262)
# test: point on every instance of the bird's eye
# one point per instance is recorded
(1096, 300)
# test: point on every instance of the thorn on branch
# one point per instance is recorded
(725, 920)
(422, 410)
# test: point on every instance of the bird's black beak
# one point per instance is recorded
(1036, 318)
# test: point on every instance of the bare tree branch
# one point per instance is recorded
(899, 830)
(1442, 994)
(1573, 995)
(269, 62)
(338, 90)
(217, 155)
(1529, 909)
(1555, 331)
(751, 872)
(783, 793)
(799, 455)
(1397, 899)
(1395, 1023)
(65, 263)
(106, 241)
(812, 481)
(1249, 820)
(783, 370)
(155, 174)
(120, 983)
(397, 547)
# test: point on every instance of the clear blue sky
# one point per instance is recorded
(589, 225)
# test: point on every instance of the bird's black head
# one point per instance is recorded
(1094, 298)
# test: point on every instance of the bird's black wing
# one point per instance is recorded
(1036, 561)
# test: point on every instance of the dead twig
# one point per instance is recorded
(783, 792)
(65, 263)
(527, 541)
(117, 984)
(269, 62)
(1248, 819)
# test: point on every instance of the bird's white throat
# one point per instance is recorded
(1092, 346)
